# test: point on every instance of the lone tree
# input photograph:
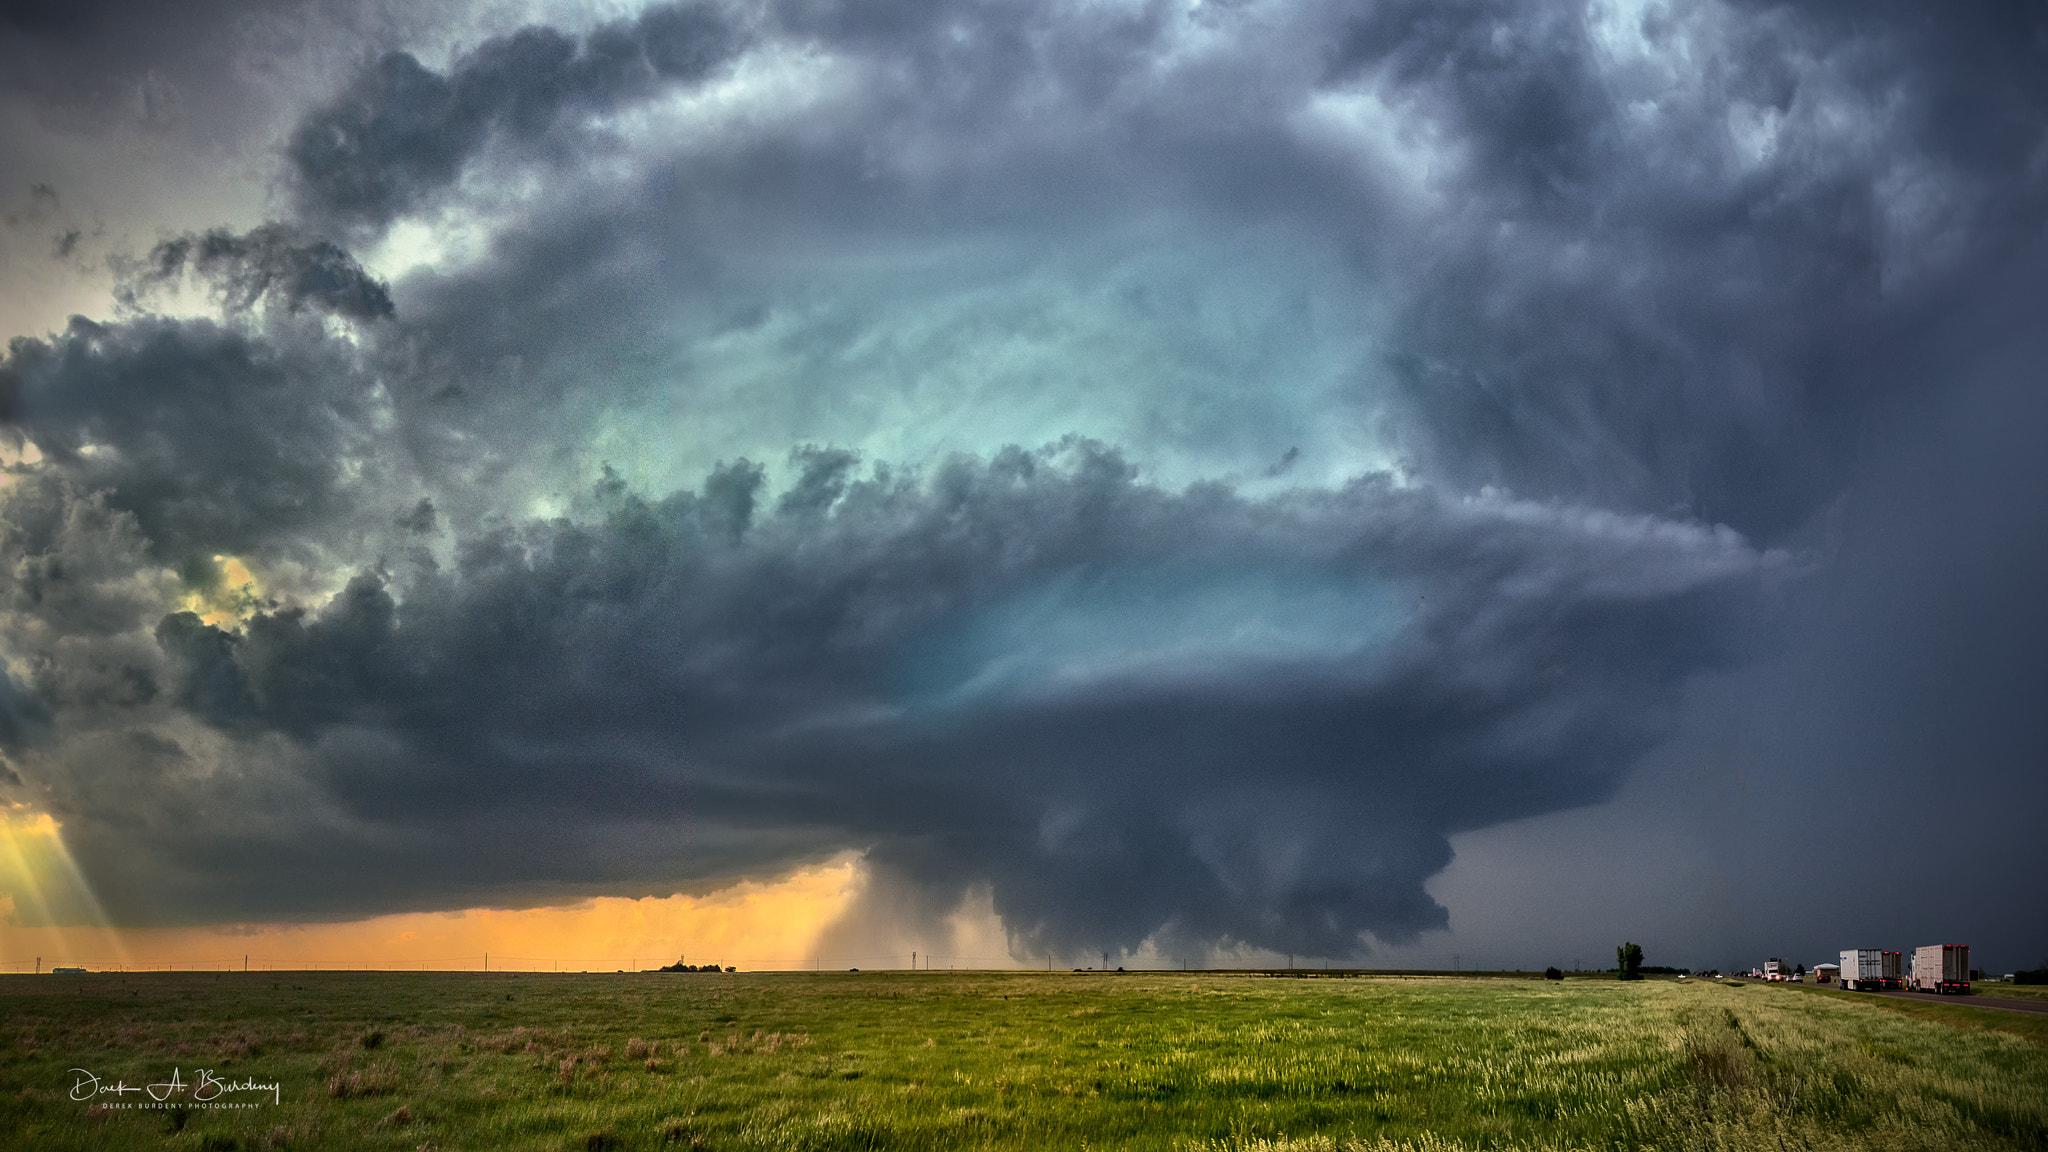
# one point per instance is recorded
(1628, 961)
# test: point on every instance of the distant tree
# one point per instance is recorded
(1628, 961)
(1799, 969)
(1552, 974)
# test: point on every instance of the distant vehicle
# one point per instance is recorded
(1826, 973)
(1863, 969)
(1894, 970)
(1774, 969)
(1941, 968)
(67, 971)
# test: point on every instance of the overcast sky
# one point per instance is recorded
(1398, 482)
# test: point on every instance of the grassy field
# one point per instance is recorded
(1011, 1061)
(2011, 991)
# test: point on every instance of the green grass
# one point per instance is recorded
(2004, 991)
(1008, 1061)
(1956, 1011)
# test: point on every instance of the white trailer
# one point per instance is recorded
(1942, 968)
(1862, 969)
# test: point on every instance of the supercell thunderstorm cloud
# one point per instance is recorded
(1170, 469)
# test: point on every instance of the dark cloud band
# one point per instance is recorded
(1035, 673)
(402, 132)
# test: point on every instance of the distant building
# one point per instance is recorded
(1827, 973)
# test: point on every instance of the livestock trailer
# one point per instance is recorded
(1862, 969)
(1942, 968)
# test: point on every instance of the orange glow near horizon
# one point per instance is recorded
(753, 924)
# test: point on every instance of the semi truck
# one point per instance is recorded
(1863, 968)
(1942, 968)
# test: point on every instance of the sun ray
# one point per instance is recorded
(49, 900)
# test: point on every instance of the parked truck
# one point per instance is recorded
(1942, 968)
(1863, 969)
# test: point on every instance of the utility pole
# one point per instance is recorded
(487, 961)
(245, 961)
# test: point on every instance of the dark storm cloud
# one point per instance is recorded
(269, 262)
(623, 290)
(1616, 296)
(402, 132)
(1817, 340)
(1630, 310)
(246, 437)
(22, 717)
(1004, 673)
(1657, 296)
(1698, 264)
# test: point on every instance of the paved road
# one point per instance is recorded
(1973, 1001)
